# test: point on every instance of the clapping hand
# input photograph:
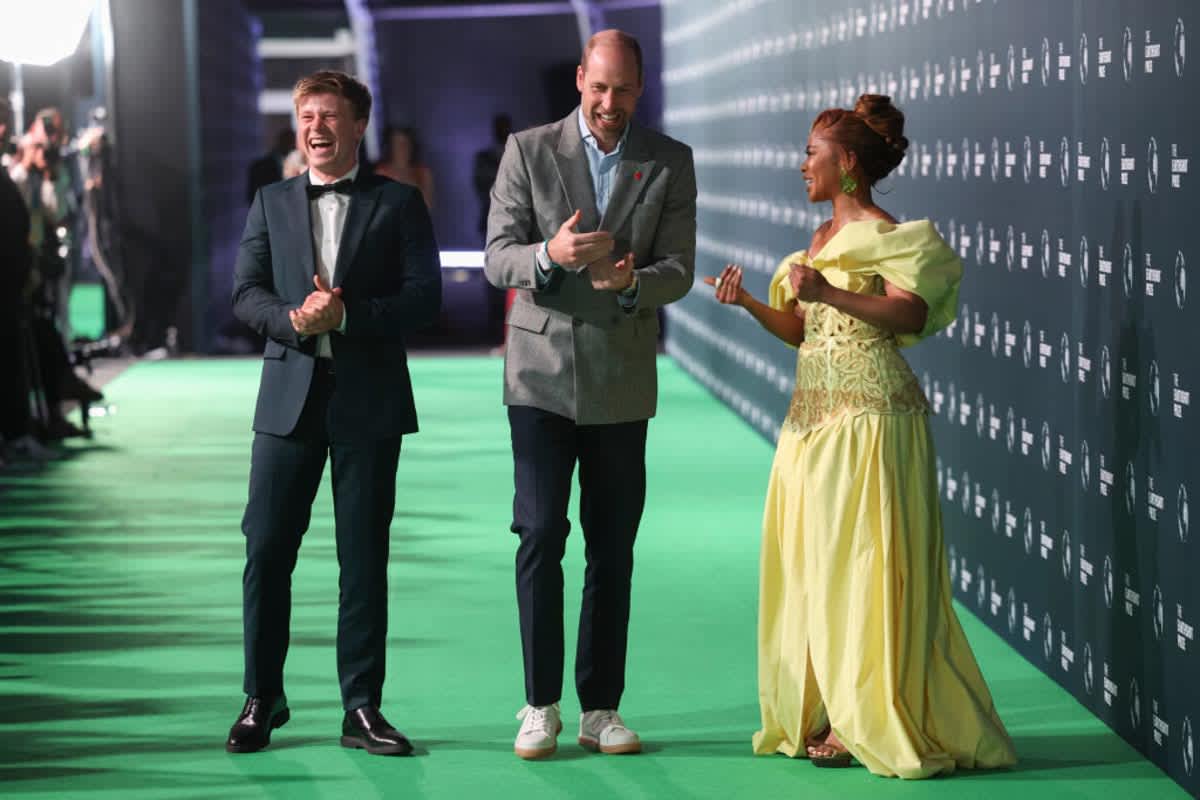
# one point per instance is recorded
(322, 311)
(574, 251)
(608, 275)
(808, 284)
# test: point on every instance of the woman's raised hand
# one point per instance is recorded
(728, 286)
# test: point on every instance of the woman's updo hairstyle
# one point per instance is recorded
(873, 131)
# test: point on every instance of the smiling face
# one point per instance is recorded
(822, 169)
(609, 90)
(328, 134)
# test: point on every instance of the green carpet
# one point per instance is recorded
(120, 586)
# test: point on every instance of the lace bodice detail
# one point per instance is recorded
(847, 366)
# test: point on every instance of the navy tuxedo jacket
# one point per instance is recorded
(390, 276)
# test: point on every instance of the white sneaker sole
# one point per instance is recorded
(610, 749)
(533, 754)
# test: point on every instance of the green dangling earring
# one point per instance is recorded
(849, 185)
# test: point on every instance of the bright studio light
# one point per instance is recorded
(45, 32)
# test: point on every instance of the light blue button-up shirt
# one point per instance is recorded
(600, 163)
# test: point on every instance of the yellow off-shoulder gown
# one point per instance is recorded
(856, 628)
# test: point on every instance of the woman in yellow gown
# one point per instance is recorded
(860, 652)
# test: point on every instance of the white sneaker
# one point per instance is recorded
(540, 726)
(603, 730)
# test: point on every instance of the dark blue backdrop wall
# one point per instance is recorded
(1051, 145)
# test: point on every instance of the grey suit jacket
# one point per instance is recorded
(571, 349)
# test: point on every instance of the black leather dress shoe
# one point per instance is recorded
(366, 729)
(260, 716)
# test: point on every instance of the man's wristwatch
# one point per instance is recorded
(631, 289)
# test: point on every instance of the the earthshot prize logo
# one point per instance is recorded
(1105, 372)
(1028, 530)
(1046, 446)
(980, 71)
(1189, 748)
(1045, 61)
(1105, 166)
(1157, 613)
(1064, 162)
(1083, 58)
(966, 493)
(980, 244)
(1085, 466)
(1089, 668)
(995, 334)
(1180, 62)
(1046, 253)
(1127, 54)
(1181, 514)
(1012, 611)
(997, 512)
(1135, 703)
(953, 564)
(964, 164)
(1152, 165)
(1027, 162)
(1130, 488)
(1127, 270)
(1152, 389)
(995, 165)
(981, 587)
(980, 415)
(1010, 75)
(1066, 556)
(1010, 249)
(1064, 364)
(1010, 434)
(1180, 280)
(1085, 266)
(1108, 582)
(1047, 636)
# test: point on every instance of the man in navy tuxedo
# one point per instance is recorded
(335, 267)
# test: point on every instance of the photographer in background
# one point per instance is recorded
(45, 186)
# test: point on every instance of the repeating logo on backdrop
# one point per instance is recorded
(1127, 54)
(1127, 270)
(1152, 165)
(1130, 488)
(1010, 249)
(980, 71)
(1105, 372)
(1182, 523)
(1047, 636)
(1085, 266)
(1028, 530)
(980, 244)
(995, 337)
(1027, 163)
(1135, 703)
(1010, 436)
(1180, 61)
(1189, 749)
(1085, 465)
(966, 493)
(1064, 362)
(980, 415)
(1010, 75)
(1046, 446)
(980, 587)
(1012, 611)
(1180, 280)
(1105, 153)
(1158, 613)
(1064, 162)
(995, 165)
(1153, 388)
(1083, 58)
(1045, 61)
(1089, 668)
(1108, 582)
(939, 160)
(996, 511)
(1027, 349)
(1045, 253)
(964, 166)
(1066, 556)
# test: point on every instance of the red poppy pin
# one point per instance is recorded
(637, 176)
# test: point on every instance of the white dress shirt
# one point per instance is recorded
(328, 214)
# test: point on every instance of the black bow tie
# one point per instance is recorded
(318, 189)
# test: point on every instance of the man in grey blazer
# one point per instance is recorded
(593, 220)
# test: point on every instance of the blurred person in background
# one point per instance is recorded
(269, 168)
(402, 161)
